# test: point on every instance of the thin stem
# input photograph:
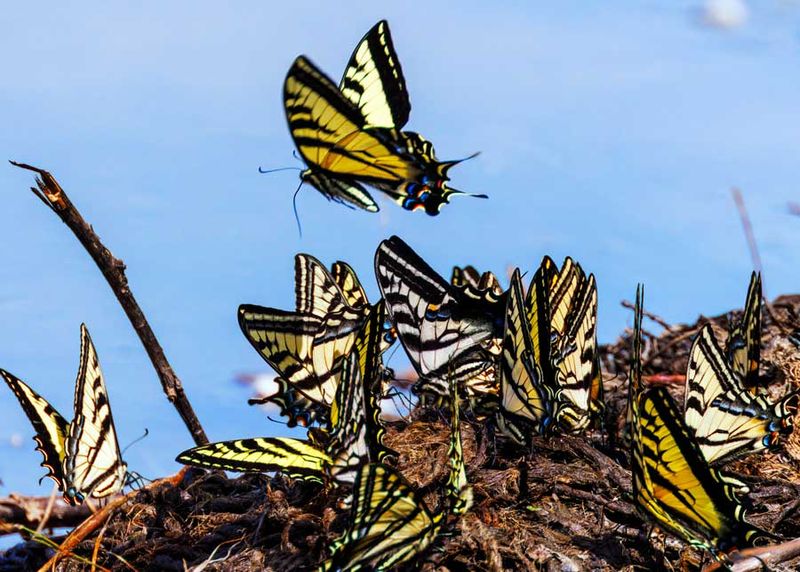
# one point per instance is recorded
(113, 269)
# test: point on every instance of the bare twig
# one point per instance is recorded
(48, 509)
(762, 558)
(748, 228)
(753, 246)
(31, 512)
(657, 319)
(50, 193)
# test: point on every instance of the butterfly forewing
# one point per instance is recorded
(522, 388)
(316, 292)
(51, 428)
(349, 284)
(744, 339)
(93, 464)
(373, 80)
(294, 458)
(329, 131)
(435, 322)
(389, 523)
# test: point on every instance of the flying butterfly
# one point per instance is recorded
(672, 481)
(351, 135)
(356, 435)
(390, 523)
(727, 420)
(744, 338)
(81, 456)
(443, 328)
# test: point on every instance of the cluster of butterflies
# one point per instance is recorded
(676, 457)
(351, 134)
(522, 362)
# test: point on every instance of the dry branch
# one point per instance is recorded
(31, 512)
(113, 269)
(763, 558)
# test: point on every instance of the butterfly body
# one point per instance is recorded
(351, 135)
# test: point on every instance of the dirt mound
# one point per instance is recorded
(562, 504)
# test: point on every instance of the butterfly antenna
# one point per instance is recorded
(128, 446)
(294, 207)
(279, 421)
(264, 171)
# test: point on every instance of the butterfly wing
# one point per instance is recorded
(50, 426)
(373, 81)
(329, 131)
(292, 457)
(436, 323)
(522, 386)
(285, 341)
(458, 488)
(465, 277)
(726, 419)
(357, 434)
(744, 339)
(341, 190)
(578, 368)
(674, 484)
(93, 465)
(349, 284)
(389, 523)
(316, 292)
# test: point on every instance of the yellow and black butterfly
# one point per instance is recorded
(744, 338)
(727, 420)
(446, 330)
(672, 481)
(524, 365)
(350, 135)
(356, 434)
(573, 350)
(390, 522)
(306, 347)
(81, 456)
